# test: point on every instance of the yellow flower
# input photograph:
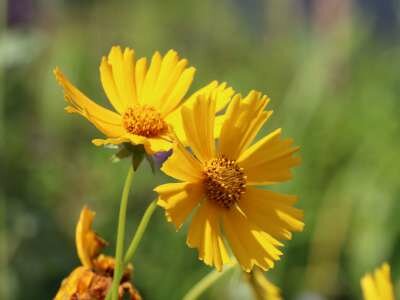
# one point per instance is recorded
(263, 289)
(378, 286)
(147, 100)
(93, 279)
(220, 181)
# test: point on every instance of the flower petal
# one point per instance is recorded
(205, 235)
(182, 165)
(223, 92)
(243, 120)
(378, 286)
(81, 278)
(198, 123)
(272, 212)
(150, 80)
(269, 160)
(105, 120)
(120, 89)
(249, 243)
(178, 200)
(88, 243)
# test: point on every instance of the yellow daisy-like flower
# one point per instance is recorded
(93, 279)
(146, 99)
(220, 181)
(378, 286)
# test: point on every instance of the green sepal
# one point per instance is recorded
(138, 153)
(151, 162)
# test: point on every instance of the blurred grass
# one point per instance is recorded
(334, 87)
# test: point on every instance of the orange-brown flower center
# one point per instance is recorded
(224, 181)
(144, 120)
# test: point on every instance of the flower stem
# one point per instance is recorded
(140, 231)
(121, 236)
(206, 282)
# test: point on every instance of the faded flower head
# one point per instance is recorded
(93, 279)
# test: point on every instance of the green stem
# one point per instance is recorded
(140, 231)
(206, 282)
(121, 236)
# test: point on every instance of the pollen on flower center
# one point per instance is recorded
(224, 181)
(144, 120)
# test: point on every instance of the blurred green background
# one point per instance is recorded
(332, 69)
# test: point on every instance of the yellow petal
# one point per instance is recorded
(122, 70)
(205, 235)
(243, 120)
(160, 144)
(80, 277)
(146, 92)
(182, 165)
(88, 243)
(107, 80)
(249, 243)
(264, 289)
(269, 160)
(378, 286)
(178, 92)
(223, 92)
(140, 74)
(105, 120)
(178, 200)
(272, 212)
(198, 123)
(175, 121)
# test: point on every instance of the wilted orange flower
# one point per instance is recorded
(92, 280)
(147, 100)
(220, 181)
(378, 285)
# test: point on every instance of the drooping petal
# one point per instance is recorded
(272, 212)
(378, 286)
(88, 243)
(243, 120)
(105, 120)
(205, 235)
(198, 123)
(182, 165)
(178, 200)
(269, 160)
(250, 244)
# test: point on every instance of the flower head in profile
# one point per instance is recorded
(93, 278)
(219, 183)
(378, 285)
(146, 99)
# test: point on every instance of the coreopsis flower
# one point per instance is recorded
(147, 100)
(220, 183)
(93, 279)
(263, 289)
(378, 285)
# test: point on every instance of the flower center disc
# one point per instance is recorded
(144, 121)
(224, 181)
